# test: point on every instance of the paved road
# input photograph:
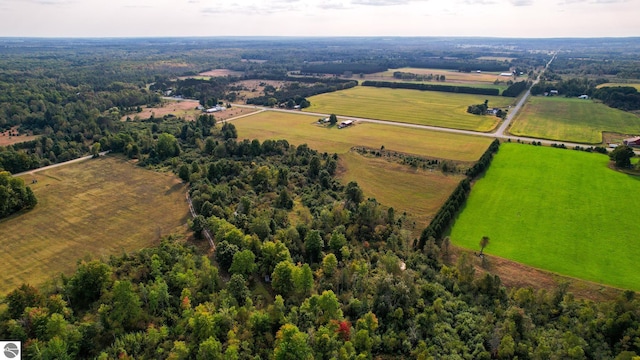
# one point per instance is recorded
(511, 115)
(58, 164)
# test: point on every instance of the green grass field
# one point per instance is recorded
(559, 210)
(418, 192)
(90, 209)
(301, 129)
(411, 106)
(569, 119)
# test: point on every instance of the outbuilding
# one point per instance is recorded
(634, 141)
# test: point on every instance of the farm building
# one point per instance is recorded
(345, 124)
(214, 109)
(506, 74)
(635, 141)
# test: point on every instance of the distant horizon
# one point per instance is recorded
(536, 19)
(315, 37)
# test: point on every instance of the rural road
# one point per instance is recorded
(499, 133)
(511, 115)
(58, 164)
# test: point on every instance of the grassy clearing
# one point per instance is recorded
(185, 109)
(418, 192)
(559, 210)
(89, 209)
(411, 106)
(301, 129)
(569, 119)
(10, 137)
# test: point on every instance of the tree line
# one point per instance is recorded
(341, 68)
(14, 195)
(624, 98)
(445, 215)
(515, 89)
(296, 95)
(433, 87)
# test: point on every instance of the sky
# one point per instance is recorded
(158, 18)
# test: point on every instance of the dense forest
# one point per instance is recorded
(338, 279)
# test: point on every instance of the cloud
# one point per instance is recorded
(38, 2)
(478, 2)
(521, 2)
(333, 5)
(383, 2)
(592, 2)
(255, 8)
(380, 2)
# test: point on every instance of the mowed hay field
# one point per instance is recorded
(558, 210)
(433, 108)
(302, 129)
(90, 209)
(570, 119)
(420, 193)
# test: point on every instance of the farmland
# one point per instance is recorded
(300, 129)
(450, 75)
(418, 192)
(560, 210)
(570, 119)
(91, 209)
(185, 109)
(411, 106)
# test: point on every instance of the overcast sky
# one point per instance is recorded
(497, 18)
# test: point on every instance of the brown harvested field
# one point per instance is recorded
(516, 275)
(221, 72)
(89, 209)
(11, 137)
(185, 109)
